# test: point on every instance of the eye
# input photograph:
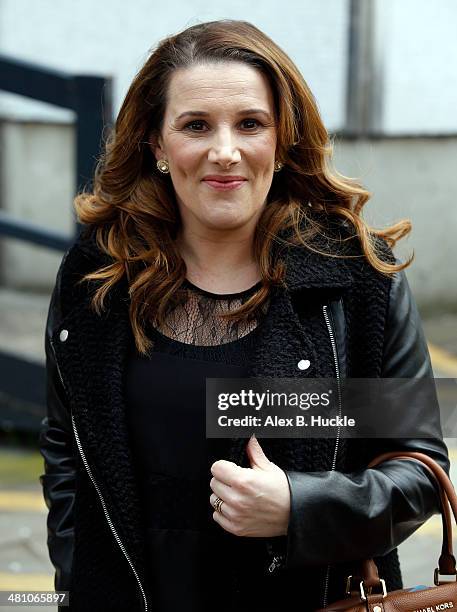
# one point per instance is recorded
(198, 123)
(257, 123)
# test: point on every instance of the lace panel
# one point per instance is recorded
(197, 319)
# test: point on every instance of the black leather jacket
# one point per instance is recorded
(367, 498)
(397, 496)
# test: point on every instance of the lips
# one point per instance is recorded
(224, 183)
(223, 179)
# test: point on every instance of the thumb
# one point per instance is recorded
(255, 453)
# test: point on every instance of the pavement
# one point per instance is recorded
(24, 561)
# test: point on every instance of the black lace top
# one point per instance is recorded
(166, 413)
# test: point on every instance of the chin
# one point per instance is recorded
(225, 222)
(228, 219)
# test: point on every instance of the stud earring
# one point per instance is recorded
(163, 166)
(278, 166)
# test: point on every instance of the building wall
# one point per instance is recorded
(106, 38)
(409, 177)
(419, 56)
(417, 49)
(415, 179)
(37, 182)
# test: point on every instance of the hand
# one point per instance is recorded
(256, 499)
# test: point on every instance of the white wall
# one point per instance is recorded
(113, 38)
(415, 179)
(37, 182)
(419, 65)
(416, 38)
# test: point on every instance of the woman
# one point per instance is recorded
(217, 243)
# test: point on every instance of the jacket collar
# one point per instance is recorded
(309, 267)
(306, 267)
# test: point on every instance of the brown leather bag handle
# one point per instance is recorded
(448, 497)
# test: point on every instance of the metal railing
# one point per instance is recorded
(89, 97)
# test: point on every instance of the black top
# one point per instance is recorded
(165, 394)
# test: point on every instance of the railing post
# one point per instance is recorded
(92, 104)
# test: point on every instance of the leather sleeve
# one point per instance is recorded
(57, 448)
(338, 517)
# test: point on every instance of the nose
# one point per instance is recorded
(224, 151)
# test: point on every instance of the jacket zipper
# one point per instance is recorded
(337, 441)
(278, 560)
(105, 510)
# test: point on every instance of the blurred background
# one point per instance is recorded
(384, 73)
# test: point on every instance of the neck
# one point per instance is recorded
(221, 261)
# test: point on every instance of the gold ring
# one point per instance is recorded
(217, 504)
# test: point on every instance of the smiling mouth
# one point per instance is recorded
(224, 185)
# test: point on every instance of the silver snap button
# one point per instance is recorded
(377, 609)
(303, 364)
(63, 335)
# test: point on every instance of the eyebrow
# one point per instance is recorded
(248, 111)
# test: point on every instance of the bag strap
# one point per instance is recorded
(448, 497)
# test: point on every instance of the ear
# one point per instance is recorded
(156, 146)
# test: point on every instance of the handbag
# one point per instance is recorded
(366, 591)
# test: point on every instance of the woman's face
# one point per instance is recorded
(219, 121)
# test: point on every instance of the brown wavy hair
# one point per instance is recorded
(132, 207)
